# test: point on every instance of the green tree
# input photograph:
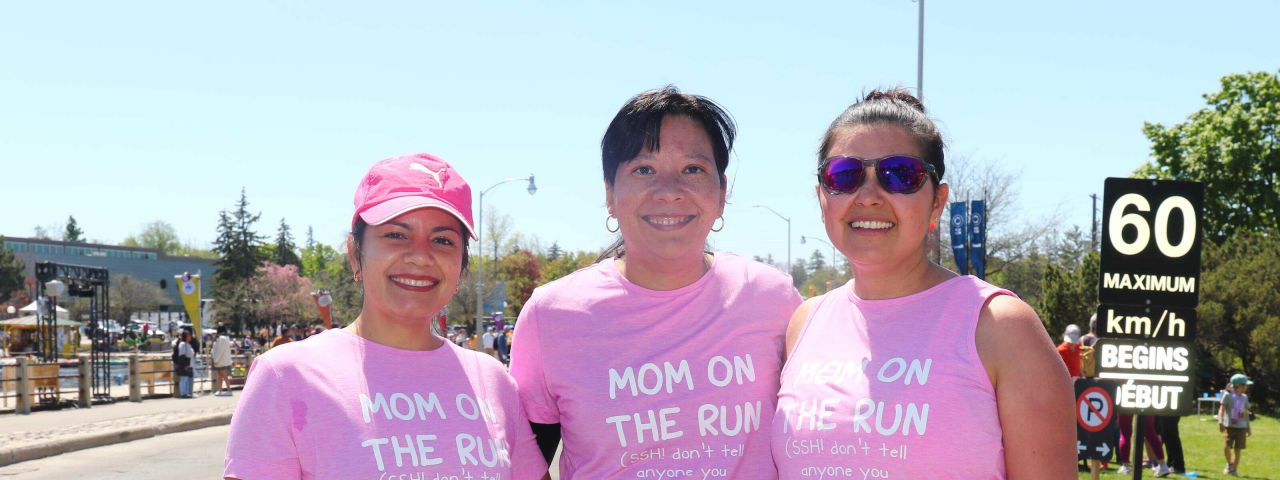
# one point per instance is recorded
(565, 264)
(1070, 293)
(158, 235)
(555, 252)
(521, 270)
(283, 252)
(240, 255)
(1239, 312)
(73, 232)
(816, 262)
(12, 273)
(800, 276)
(327, 268)
(237, 245)
(1232, 146)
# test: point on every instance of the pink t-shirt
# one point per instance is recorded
(890, 389)
(657, 384)
(342, 407)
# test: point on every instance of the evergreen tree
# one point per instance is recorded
(817, 262)
(800, 274)
(554, 252)
(73, 232)
(11, 273)
(283, 253)
(237, 245)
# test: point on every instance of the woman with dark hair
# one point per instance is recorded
(910, 370)
(386, 397)
(662, 359)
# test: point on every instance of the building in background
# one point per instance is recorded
(147, 264)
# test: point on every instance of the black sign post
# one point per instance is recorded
(1148, 288)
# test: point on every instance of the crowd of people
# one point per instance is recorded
(1162, 440)
(665, 359)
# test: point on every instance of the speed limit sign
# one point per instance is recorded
(1151, 242)
(1148, 289)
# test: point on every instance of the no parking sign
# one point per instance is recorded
(1096, 426)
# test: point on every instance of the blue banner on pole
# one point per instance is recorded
(959, 236)
(978, 237)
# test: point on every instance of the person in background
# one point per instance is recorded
(222, 363)
(183, 355)
(1092, 337)
(981, 361)
(1069, 350)
(1233, 421)
(488, 340)
(1154, 446)
(500, 345)
(285, 337)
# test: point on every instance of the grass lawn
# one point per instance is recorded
(1202, 448)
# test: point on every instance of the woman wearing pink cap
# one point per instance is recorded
(662, 360)
(386, 397)
(909, 370)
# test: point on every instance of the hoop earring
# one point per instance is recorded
(713, 225)
(606, 224)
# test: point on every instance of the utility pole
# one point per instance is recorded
(1093, 236)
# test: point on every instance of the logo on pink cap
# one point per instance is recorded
(409, 182)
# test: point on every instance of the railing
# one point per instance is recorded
(30, 385)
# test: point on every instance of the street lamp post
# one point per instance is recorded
(52, 289)
(533, 188)
(920, 54)
(788, 220)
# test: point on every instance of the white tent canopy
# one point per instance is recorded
(32, 321)
(31, 308)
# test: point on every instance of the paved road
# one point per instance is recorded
(194, 454)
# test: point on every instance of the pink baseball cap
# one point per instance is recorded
(419, 180)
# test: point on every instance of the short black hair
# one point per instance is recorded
(638, 125)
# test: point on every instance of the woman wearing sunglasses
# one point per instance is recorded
(661, 360)
(909, 370)
(386, 397)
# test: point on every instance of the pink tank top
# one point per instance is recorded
(890, 389)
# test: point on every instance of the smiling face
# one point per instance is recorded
(871, 226)
(667, 200)
(409, 265)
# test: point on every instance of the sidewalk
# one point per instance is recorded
(43, 434)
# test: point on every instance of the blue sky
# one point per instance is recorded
(125, 113)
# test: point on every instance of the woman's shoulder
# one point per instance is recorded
(483, 365)
(305, 351)
(755, 273)
(589, 276)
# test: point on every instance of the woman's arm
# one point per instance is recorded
(1034, 394)
(796, 325)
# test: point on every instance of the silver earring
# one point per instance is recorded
(714, 229)
(606, 224)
